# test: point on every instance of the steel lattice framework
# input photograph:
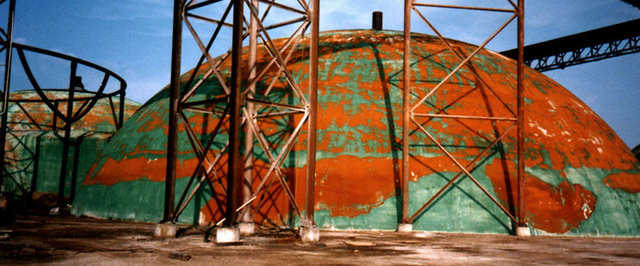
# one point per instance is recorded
(594, 45)
(588, 54)
(417, 114)
(242, 106)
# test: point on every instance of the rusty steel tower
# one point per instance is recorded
(239, 107)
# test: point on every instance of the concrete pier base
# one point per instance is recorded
(227, 235)
(309, 234)
(405, 228)
(165, 230)
(247, 228)
(523, 231)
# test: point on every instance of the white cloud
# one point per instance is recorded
(20, 40)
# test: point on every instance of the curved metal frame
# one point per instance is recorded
(86, 101)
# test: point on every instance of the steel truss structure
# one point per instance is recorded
(594, 45)
(417, 114)
(242, 104)
(66, 107)
(250, 97)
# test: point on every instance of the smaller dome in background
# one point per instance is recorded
(34, 151)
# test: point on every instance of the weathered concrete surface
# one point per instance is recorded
(84, 241)
(580, 177)
(32, 141)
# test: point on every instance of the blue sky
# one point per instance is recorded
(133, 38)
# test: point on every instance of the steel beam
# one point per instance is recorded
(249, 137)
(235, 164)
(520, 116)
(67, 137)
(8, 46)
(594, 45)
(313, 114)
(406, 105)
(174, 99)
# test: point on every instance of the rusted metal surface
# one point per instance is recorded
(249, 138)
(313, 115)
(406, 105)
(174, 87)
(578, 172)
(411, 111)
(521, 114)
(235, 162)
(241, 113)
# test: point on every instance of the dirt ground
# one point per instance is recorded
(86, 241)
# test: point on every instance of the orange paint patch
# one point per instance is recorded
(131, 169)
(351, 186)
(623, 180)
(559, 209)
(552, 209)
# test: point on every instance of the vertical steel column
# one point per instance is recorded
(313, 114)
(248, 139)
(74, 170)
(36, 163)
(121, 111)
(406, 83)
(520, 106)
(172, 143)
(73, 81)
(6, 89)
(234, 169)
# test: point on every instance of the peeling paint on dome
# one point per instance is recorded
(580, 177)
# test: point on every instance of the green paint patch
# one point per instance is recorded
(549, 176)
(473, 211)
(118, 201)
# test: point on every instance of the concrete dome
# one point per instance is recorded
(581, 178)
(32, 143)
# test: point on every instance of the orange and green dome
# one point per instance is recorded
(580, 177)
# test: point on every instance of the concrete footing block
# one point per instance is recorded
(227, 235)
(247, 228)
(523, 231)
(309, 234)
(165, 230)
(405, 228)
